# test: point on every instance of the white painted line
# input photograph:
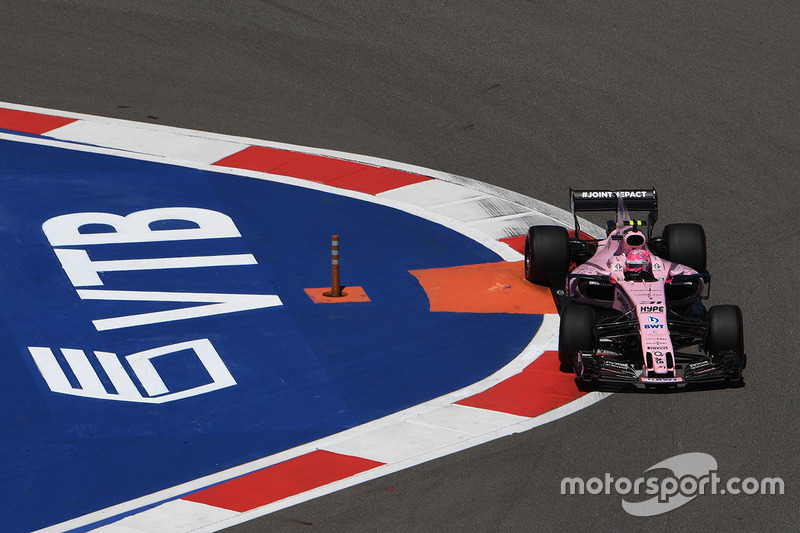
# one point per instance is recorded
(87, 377)
(216, 304)
(116, 373)
(177, 516)
(83, 272)
(50, 369)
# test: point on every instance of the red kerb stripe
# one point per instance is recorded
(282, 480)
(517, 243)
(27, 122)
(330, 171)
(541, 387)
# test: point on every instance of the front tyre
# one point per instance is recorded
(685, 244)
(547, 252)
(725, 334)
(575, 334)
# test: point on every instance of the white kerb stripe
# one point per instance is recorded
(469, 420)
(147, 140)
(512, 226)
(177, 516)
(479, 209)
(430, 192)
(400, 442)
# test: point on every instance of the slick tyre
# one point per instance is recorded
(546, 252)
(576, 333)
(725, 330)
(685, 244)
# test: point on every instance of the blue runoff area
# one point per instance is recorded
(297, 371)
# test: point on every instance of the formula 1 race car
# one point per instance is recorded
(631, 304)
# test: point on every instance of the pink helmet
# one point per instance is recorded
(637, 260)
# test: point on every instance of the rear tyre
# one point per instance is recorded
(726, 332)
(685, 244)
(575, 334)
(546, 252)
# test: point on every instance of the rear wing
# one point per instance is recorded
(604, 200)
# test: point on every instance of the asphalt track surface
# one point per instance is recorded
(695, 98)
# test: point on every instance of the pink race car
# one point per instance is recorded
(631, 304)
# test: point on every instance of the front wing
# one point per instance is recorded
(691, 369)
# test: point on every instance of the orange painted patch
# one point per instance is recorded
(349, 294)
(484, 288)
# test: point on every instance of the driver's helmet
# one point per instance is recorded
(637, 261)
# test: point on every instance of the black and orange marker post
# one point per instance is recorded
(336, 286)
(336, 294)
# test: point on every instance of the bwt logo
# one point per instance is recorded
(692, 475)
(72, 247)
(653, 323)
